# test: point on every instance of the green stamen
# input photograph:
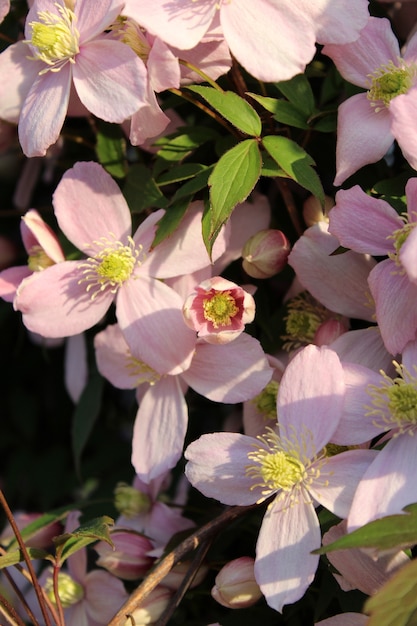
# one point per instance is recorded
(388, 82)
(220, 309)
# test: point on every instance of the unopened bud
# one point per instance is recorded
(235, 585)
(176, 575)
(129, 558)
(265, 253)
(130, 501)
(329, 331)
(151, 608)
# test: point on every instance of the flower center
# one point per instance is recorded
(399, 237)
(388, 82)
(220, 308)
(130, 501)
(395, 400)
(111, 266)
(130, 33)
(277, 464)
(304, 317)
(55, 38)
(38, 259)
(266, 401)
(69, 591)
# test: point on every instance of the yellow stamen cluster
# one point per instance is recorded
(399, 237)
(111, 266)
(55, 39)
(220, 308)
(283, 465)
(140, 371)
(304, 317)
(388, 82)
(69, 591)
(394, 402)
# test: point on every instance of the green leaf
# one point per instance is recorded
(111, 149)
(170, 221)
(232, 107)
(283, 111)
(16, 556)
(96, 529)
(298, 91)
(295, 162)
(270, 168)
(394, 531)
(233, 178)
(141, 191)
(192, 186)
(395, 604)
(85, 415)
(41, 522)
(180, 145)
(182, 172)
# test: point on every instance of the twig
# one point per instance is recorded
(9, 612)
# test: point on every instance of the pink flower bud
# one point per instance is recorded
(218, 310)
(151, 608)
(235, 585)
(175, 577)
(265, 253)
(129, 558)
(329, 331)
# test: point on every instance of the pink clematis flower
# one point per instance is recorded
(4, 9)
(66, 45)
(218, 310)
(223, 373)
(249, 29)
(70, 297)
(393, 281)
(369, 122)
(292, 466)
(386, 405)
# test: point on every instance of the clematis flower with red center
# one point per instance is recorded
(292, 466)
(66, 45)
(70, 297)
(218, 310)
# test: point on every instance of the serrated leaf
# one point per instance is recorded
(233, 178)
(295, 162)
(298, 91)
(96, 529)
(395, 604)
(141, 191)
(170, 221)
(387, 533)
(111, 149)
(180, 145)
(232, 107)
(271, 168)
(16, 556)
(85, 415)
(283, 111)
(192, 186)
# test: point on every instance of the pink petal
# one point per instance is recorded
(21, 74)
(163, 67)
(345, 619)
(150, 316)
(94, 16)
(363, 136)
(356, 427)
(76, 367)
(159, 430)
(44, 110)
(177, 22)
(54, 304)
(365, 347)
(339, 282)
(110, 79)
(217, 464)
(112, 357)
(409, 356)
(284, 565)
(148, 122)
(349, 221)
(343, 473)
(146, 231)
(337, 22)
(232, 373)
(376, 46)
(411, 195)
(408, 256)
(105, 594)
(310, 397)
(403, 110)
(35, 231)
(395, 300)
(245, 24)
(89, 205)
(388, 485)
(10, 280)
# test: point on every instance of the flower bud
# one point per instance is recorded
(175, 577)
(218, 310)
(235, 585)
(129, 558)
(313, 210)
(151, 608)
(265, 253)
(130, 501)
(329, 331)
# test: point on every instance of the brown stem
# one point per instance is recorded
(56, 595)
(21, 597)
(9, 612)
(164, 566)
(290, 205)
(27, 559)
